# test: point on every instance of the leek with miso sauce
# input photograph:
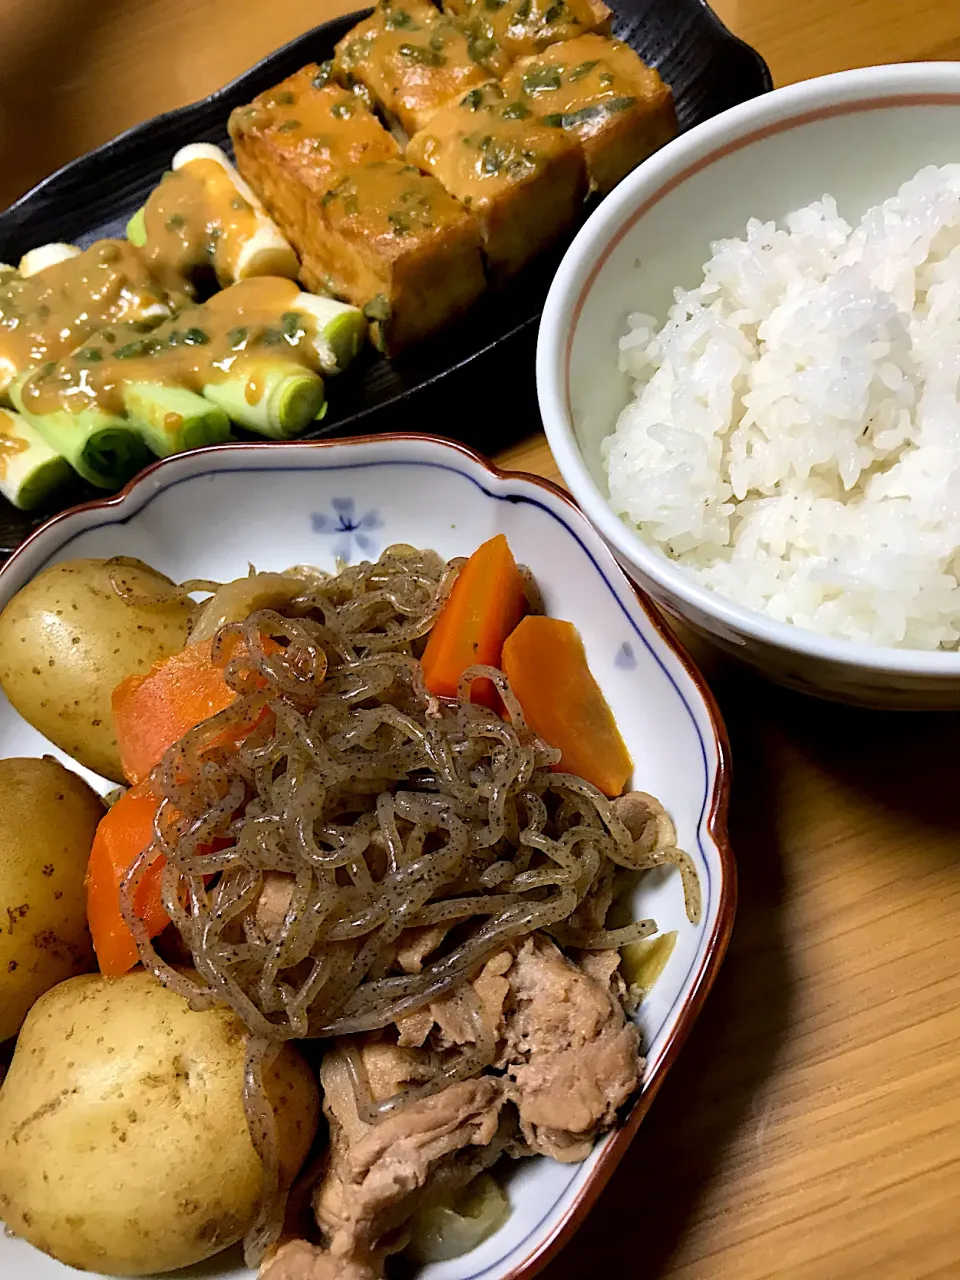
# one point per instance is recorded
(270, 395)
(46, 255)
(172, 419)
(104, 448)
(213, 216)
(30, 470)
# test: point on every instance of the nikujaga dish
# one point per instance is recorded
(371, 850)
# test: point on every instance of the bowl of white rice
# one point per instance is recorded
(749, 374)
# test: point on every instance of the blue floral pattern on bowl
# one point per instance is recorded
(346, 529)
(626, 659)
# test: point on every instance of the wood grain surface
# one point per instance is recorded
(811, 1129)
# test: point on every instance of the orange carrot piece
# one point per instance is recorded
(486, 603)
(124, 832)
(152, 712)
(546, 664)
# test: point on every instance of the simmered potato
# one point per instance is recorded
(48, 817)
(123, 1143)
(68, 638)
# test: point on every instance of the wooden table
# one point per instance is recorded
(811, 1130)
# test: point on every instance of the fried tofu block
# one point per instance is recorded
(390, 240)
(412, 59)
(598, 90)
(294, 142)
(523, 27)
(523, 181)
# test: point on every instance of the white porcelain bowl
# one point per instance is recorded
(857, 135)
(208, 514)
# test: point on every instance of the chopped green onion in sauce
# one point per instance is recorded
(543, 79)
(481, 48)
(140, 347)
(398, 19)
(584, 69)
(292, 324)
(419, 54)
(378, 308)
(570, 119)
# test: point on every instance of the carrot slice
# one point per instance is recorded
(152, 712)
(546, 664)
(124, 832)
(486, 603)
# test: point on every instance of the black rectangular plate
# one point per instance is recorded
(475, 382)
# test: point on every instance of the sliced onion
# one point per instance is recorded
(443, 1231)
(235, 601)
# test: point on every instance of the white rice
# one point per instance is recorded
(794, 440)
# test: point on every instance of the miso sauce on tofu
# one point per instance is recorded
(308, 128)
(394, 243)
(600, 91)
(412, 59)
(296, 141)
(522, 27)
(523, 181)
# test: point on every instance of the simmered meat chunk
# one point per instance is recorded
(380, 1174)
(299, 1260)
(567, 1059)
(572, 1057)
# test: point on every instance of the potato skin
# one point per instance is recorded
(67, 639)
(123, 1143)
(48, 817)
